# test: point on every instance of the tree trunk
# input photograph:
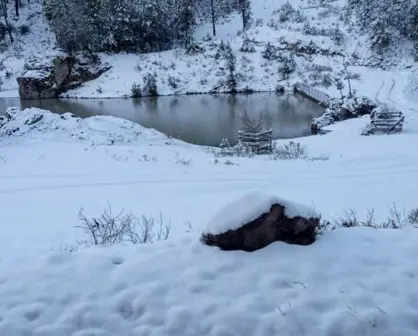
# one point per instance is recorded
(17, 7)
(350, 92)
(3, 4)
(213, 18)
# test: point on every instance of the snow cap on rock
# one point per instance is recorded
(249, 207)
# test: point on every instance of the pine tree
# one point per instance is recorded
(380, 37)
(245, 9)
(185, 21)
(231, 61)
(269, 52)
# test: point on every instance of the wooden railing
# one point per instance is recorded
(312, 93)
(387, 121)
(258, 142)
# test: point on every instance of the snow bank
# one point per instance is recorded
(249, 207)
(170, 289)
(36, 123)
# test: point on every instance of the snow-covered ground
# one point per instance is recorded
(357, 281)
(351, 281)
(179, 73)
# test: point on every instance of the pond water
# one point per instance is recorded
(198, 119)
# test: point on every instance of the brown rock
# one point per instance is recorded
(51, 76)
(269, 227)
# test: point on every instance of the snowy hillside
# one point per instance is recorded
(310, 38)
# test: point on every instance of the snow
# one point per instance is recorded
(249, 207)
(201, 73)
(334, 287)
(97, 130)
(357, 281)
(348, 282)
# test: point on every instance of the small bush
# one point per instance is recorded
(337, 36)
(8, 74)
(184, 162)
(226, 148)
(136, 90)
(220, 52)
(138, 67)
(247, 45)
(350, 219)
(413, 216)
(287, 67)
(286, 12)
(194, 49)
(150, 85)
(109, 229)
(395, 220)
(318, 67)
(24, 30)
(270, 52)
(173, 82)
(307, 29)
(327, 81)
(299, 16)
(291, 151)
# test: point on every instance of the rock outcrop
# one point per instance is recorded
(339, 110)
(53, 75)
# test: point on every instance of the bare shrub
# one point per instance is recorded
(173, 82)
(350, 219)
(249, 124)
(413, 216)
(395, 220)
(184, 162)
(292, 150)
(138, 67)
(109, 228)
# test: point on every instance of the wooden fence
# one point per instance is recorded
(312, 93)
(387, 121)
(258, 142)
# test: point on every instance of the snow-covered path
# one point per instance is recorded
(57, 185)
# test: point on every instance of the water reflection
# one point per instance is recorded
(200, 119)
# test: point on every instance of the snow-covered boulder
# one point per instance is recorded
(342, 109)
(54, 74)
(258, 219)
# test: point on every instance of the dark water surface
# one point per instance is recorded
(199, 119)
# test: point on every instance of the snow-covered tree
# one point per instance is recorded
(287, 67)
(337, 36)
(380, 37)
(247, 45)
(120, 25)
(245, 9)
(150, 85)
(231, 60)
(269, 52)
